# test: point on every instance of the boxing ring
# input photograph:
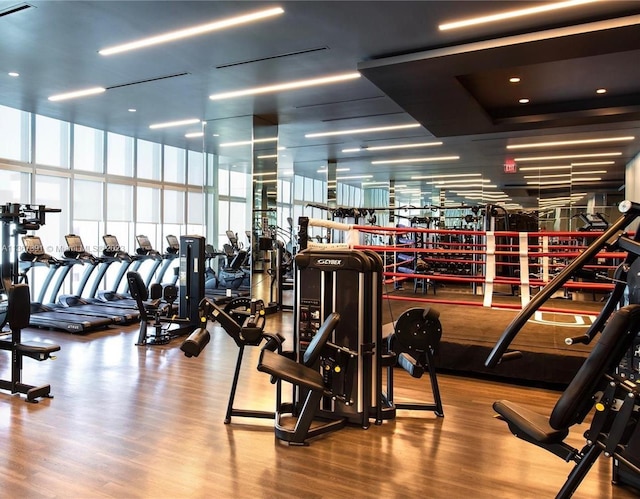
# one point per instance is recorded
(479, 281)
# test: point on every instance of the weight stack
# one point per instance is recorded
(350, 283)
(191, 277)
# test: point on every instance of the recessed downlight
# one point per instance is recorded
(523, 101)
(514, 79)
(13, 74)
(601, 91)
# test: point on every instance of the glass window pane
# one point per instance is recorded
(52, 142)
(319, 191)
(195, 168)
(87, 200)
(148, 205)
(148, 165)
(88, 149)
(195, 207)
(308, 189)
(53, 192)
(15, 133)
(223, 182)
(223, 220)
(238, 217)
(174, 168)
(14, 187)
(173, 207)
(119, 203)
(299, 188)
(119, 155)
(212, 166)
(238, 184)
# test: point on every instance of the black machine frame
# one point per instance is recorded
(17, 219)
(615, 427)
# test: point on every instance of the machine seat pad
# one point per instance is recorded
(38, 348)
(525, 423)
(289, 370)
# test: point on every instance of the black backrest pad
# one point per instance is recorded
(19, 307)
(616, 338)
(312, 353)
(136, 286)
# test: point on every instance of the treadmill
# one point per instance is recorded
(53, 316)
(76, 253)
(144, 253)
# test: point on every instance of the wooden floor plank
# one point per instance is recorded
(146, 422)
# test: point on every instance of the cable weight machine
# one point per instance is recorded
(15, 299)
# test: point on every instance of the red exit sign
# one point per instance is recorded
(510, 166)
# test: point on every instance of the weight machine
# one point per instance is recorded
(607, 379)
(15, 299)
(243, 319)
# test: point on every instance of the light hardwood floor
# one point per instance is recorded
(146, 422)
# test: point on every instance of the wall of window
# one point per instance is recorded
(103, 183)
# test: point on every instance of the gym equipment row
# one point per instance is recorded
(608, 379)
(94, 309)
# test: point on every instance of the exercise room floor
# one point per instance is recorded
(146, 422)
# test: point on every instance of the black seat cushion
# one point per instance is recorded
(524, 422)
(289, 370)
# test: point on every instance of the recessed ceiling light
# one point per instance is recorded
(601, 91)
(354, 177)
(248, 142)
(536, 168)
(523, 101)
(291, 85)
(415, 160)
(570, 142)
(362, 130)
(568, 156)
(594, 163)
(397, 146)
(451, 175)
(512, 13)
(267, 156)
(78, 93)
(168, 124)
(192, 31)
(131, 110)
(193, 135)
(479, 181)
(13, 73)
(324, 170)
(514, 79)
